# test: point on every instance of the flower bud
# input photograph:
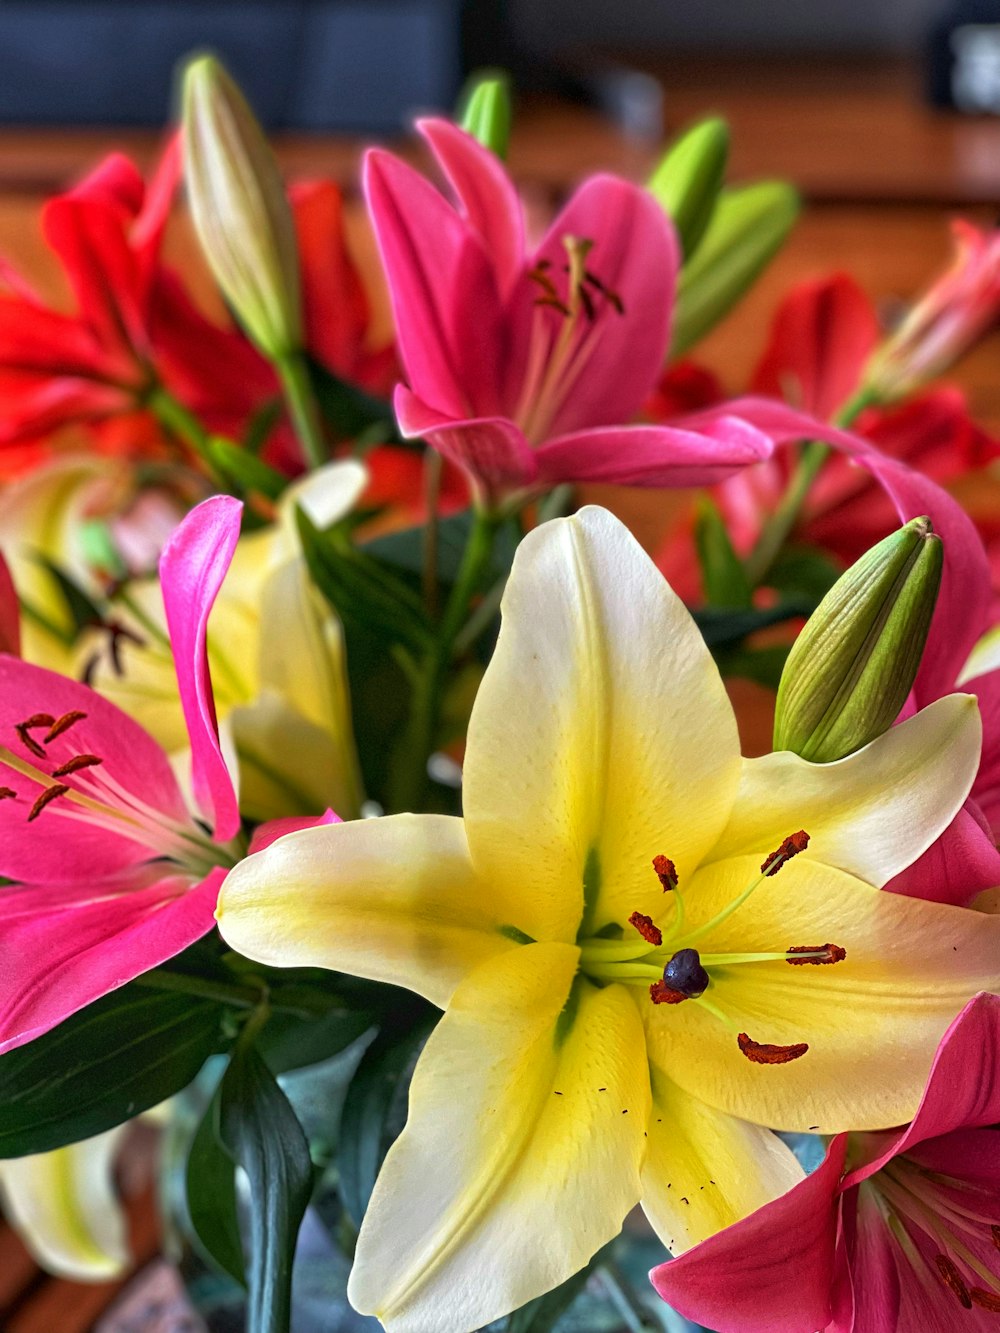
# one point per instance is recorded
(486, 112)
(853, 665)
(956, 311)
(688, 180)
(240, 209)
(747, 229)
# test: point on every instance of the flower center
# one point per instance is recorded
(675, 972)
(70, 782)
(954, 1217)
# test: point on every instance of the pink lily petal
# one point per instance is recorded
(62, 846)
(10, 613)
(986, 788)
(63, 948)
(963, 1087)
(771, 1273)
(653, 455)
(487, 195)
(960, 864)
(277, 828)
(443, 291)
(870, 1298)
(193, 565)
(491, 450)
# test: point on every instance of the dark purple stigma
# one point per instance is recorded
(685, 973)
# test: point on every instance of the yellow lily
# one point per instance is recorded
(65, 1207)
(555, 1093)
(276, 655)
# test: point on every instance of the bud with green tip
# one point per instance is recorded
(854, 663)
(747, 229)
(486, 111)
(688, 180)
(240, 209)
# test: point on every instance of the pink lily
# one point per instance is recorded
(113, 872)
(522, 363)
(906, 1242)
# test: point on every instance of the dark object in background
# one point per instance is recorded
(964, 57)
(362, 65)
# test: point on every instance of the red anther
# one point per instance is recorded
(819, 953)
(47, 796)
(38, 720)
(651, 933)
(986, 1300)
(7, 793)
(661, 993)
(28, 741)
(666, 872)
(76, 763)
(952, 1278)
(64, 723)
(793, 844)
(995, 1232)
(763, 1054)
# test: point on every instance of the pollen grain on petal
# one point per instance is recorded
(952, 1278)
(646, 927)
(61, 724)
(46, 798)
(661, 993)
(75, 764)
(792, 845)
(762, 1053)
(666, 872)
(816, 953)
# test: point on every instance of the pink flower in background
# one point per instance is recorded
(906, 1242)
(521, 364)
(113, 872)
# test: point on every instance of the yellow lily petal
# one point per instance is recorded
(872, 1022)
(705, 1169)
(602, 734)
(872, 813)
(393, 899)
(522, 1151)
(65, 1208)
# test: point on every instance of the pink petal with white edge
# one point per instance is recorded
(491, 450)
(653, 455)
(62, 846)
(963, 1087)
(194, 564)
(486, 194)
(771, 1273)
(955, 868)
(277, 828)
(63, 948)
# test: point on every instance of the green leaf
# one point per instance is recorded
(404, 550)
(262, 1134)
(81, 609)
(723, 577)
(243, 468)
(105, 1064)
(352, 413)
(544, 1312)
(762, 665)
(210, 1187)
(725, 629)
(748, 228)
(486, 110)
(363, 590)
(804, 572)
(293, 1043)
(689, 177)
(367, 1126)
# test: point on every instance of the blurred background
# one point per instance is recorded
(885, 115)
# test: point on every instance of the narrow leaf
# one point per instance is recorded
(210, 1185)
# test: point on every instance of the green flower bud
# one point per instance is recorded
(853, 665)
(688, 180)
(747, 229)
(486, 111)
(240, 209)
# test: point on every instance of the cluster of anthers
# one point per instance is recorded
(677, 972)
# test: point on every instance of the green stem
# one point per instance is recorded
(786, 515)
(409, 781)
(636, 1318)
(301, 402)
(182, 423)
(242, 997)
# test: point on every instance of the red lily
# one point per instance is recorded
(522, 365)
(906, 1242)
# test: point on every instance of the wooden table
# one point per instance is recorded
(880, 174)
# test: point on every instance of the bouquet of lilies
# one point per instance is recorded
(340, 746)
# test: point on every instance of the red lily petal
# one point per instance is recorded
(193, 565)
(336, 307)
(653, 455)
(10, 613)
(61, 949)
(771, 1273)
(822, 335)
